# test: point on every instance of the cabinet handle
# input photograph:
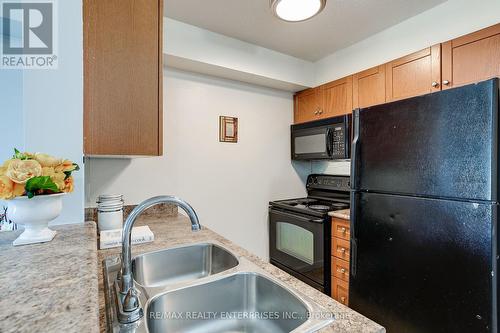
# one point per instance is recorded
(446, 82)
(316, 112)
(320, 111)
(342, 230)
(342, 299)
(341, 249)
(435, 84)
(341, 270)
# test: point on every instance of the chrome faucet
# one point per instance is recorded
(130, 310)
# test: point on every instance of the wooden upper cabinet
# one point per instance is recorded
(123, 74)
(472, 58)
(308, 105)
(338, 97)
(415, 74)
(368, 87)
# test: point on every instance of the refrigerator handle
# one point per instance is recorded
(354, 186)
(354, 148)
(354, 245)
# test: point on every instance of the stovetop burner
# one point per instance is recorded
(339, 206)
(316, 207)
(319, 207)
(325, 193)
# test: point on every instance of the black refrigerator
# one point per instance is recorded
(424, 208)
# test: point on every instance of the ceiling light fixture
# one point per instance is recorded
(297, 10)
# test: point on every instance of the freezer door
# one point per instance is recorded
(442, 144)
(423, 265)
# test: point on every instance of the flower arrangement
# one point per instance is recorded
(27, 174)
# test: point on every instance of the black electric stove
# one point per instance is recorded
(300, 229)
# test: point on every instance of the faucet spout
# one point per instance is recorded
(127, 281)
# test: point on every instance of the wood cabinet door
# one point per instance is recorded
(123, 74)
(471, 58)
(338, 98)
(368, 87)
(415, 74)
(308, 104)
(341, 228)
(340, 268)
(340, 291)
(341, 248)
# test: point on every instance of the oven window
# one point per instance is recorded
(295, 241)
(308, 144)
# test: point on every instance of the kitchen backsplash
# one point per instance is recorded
(305, 168)
(342, 168)
(162, 210)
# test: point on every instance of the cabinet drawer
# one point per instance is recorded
(341, 228)
(340, 291)
(340, 268)
(340, 248)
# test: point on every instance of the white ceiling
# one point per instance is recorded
(342, 23)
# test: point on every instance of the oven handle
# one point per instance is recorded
(279, 212)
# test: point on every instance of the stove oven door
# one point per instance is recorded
(296, 245)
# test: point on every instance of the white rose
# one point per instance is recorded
(46, 160)
(20, 171)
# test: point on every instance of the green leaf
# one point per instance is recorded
(18, 155)
(40, 183)
(76, 167)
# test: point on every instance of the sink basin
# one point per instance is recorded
(241, 302)
(182, 264)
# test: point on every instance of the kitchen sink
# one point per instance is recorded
(204, 288)
(242, 302)
(182, 264)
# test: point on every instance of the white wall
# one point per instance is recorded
(47, 106)
(446, 21)
(53, 105)
(11, 112)
(200, 46)
(228, 184)
(11, 101)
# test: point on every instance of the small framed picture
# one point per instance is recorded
(228, 129)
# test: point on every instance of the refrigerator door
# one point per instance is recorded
(442, 144)
(423, 265)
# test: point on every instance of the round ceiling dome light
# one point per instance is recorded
(297, 10)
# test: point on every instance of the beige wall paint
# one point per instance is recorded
(229, 185)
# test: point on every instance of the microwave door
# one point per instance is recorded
(311, 143)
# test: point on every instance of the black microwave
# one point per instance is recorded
(325, 139)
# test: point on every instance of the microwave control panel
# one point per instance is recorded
(338, 144)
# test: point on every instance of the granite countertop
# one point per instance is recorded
(341, 214)
(173, 231)
(50, 287)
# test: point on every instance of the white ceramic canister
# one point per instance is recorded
(110, 212)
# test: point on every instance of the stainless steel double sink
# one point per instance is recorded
(205, 288)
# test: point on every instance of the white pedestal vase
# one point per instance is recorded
(35, 214)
